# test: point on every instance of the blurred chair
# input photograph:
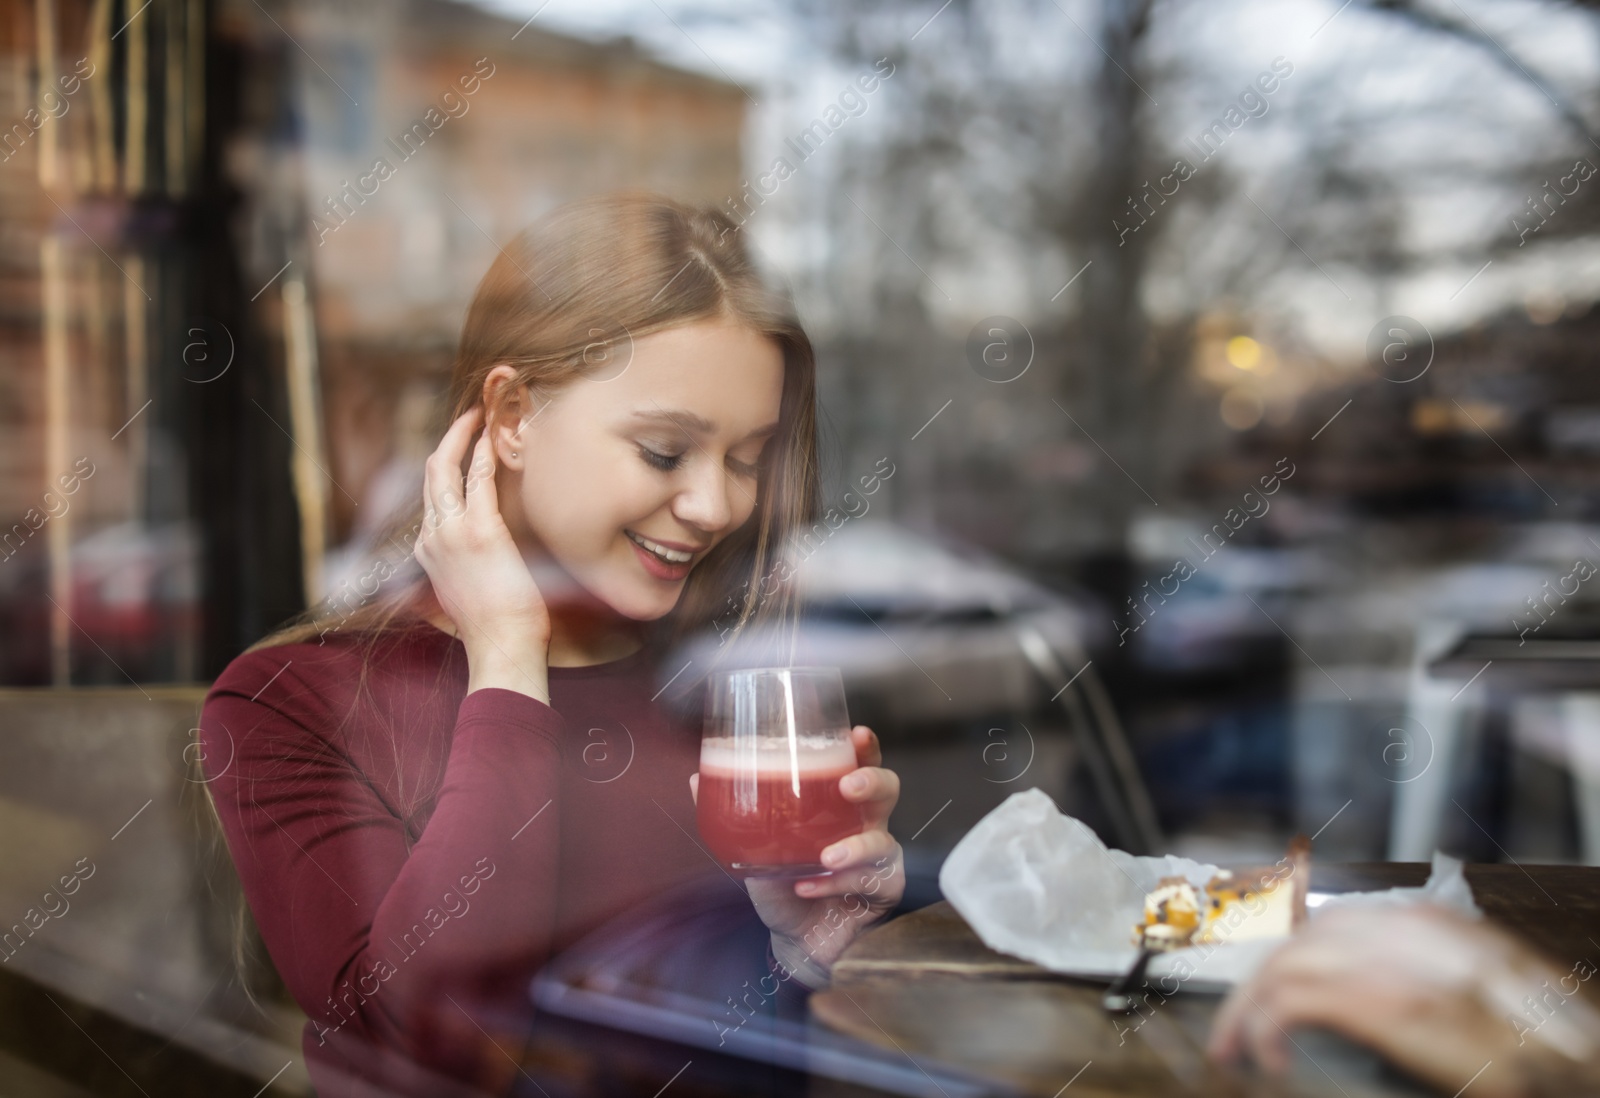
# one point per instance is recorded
(1581, 713)
(1448, 660)
(1442, 712)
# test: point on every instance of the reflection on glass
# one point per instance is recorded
(776, 743)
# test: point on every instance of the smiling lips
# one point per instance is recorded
(660, 560)
(665, 552)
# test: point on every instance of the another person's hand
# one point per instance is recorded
(1449, 999)
(813, 919)
(478, 573)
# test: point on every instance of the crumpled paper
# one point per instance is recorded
(1040, 885)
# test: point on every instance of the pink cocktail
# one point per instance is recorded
(776, 743)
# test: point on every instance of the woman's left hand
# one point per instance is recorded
(820, 916)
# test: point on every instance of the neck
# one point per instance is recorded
(580, 635)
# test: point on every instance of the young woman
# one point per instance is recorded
(410, 788)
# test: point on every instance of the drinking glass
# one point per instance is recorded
(775, 744)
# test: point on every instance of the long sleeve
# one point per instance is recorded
(376, 937)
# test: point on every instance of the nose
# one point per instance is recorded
(704, 502)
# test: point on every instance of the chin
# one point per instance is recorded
(631, 601)
(645, 609)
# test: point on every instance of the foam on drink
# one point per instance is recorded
(771, 754)
(770, 801)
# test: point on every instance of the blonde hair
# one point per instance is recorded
(588, 277)
(563, 300)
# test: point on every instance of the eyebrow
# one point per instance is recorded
(684, 419)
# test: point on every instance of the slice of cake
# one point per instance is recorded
(1236, 905)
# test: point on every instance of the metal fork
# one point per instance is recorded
(1119, 998)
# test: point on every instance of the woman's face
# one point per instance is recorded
(627, 483)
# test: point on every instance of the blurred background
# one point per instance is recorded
(1223, 373)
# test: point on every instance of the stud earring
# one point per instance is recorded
(513, 453)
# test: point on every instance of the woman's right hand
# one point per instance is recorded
(478, 574)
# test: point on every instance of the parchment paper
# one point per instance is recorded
(1040, 885)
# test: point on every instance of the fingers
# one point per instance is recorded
(1251, 1020)
(859, 849)
(875, 789)
(868, 751)
(1222, 1045)
(874, 871)
(481, 492)
(1227, 1028)
(1267, 1041)
(1256, 1019)
(1243, 1027)
(1398, 981)
(441, 475)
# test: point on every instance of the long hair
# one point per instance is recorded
(564, 300)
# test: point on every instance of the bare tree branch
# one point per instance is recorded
(1469, 30)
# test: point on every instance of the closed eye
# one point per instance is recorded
(755, 468)
(664, 462)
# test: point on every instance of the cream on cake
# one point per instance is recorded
(1172, 915)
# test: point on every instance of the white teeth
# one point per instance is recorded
(671, 556)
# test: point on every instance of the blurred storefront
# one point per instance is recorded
(238, 239)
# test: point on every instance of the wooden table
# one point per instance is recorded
(926, 985)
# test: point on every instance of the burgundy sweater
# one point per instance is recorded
(414, 854)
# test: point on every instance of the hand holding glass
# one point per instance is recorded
(776, 743)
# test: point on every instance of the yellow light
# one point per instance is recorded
(1244, 352)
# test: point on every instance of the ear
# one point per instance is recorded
(509, 408)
